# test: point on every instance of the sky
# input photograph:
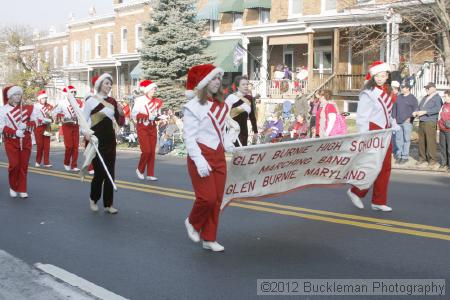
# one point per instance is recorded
(42, 14)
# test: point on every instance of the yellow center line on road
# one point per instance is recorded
(270, 207)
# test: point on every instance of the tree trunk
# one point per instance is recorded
(446, 54)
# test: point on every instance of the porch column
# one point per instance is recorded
(310, 56)
(245, 43)
(336, 51)
(263, 70)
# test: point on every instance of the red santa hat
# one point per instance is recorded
(97, 80)
(147, 85)
(42, 94)
(71, 88)
(377, 67)
(199, 77)
(5, 94)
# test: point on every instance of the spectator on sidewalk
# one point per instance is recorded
(429, 108)
(326, 114)
(403, 110)
(444, 132)
(300, 128)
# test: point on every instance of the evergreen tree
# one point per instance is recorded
(173, 43)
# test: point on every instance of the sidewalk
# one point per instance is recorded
(19, 281)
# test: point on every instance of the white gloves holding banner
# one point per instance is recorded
(203, 167)
(19, 133)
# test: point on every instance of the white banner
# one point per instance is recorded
(271, 169)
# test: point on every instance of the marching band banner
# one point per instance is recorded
(269, 169)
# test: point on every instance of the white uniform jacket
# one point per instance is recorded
(12, 120)
(64, 108)
(205, 124)
(145, 109)
(374, 106)
(43, 113)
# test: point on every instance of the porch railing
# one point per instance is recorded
(339, 84)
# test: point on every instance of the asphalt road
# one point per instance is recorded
(144, 252)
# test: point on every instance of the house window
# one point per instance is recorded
(264, 16)
(322, 61)
(328, 6)
(214, 27)
(237, 19)
(47, 56)
(288, 56)
(110, 44)
(138, 36)
(124, 41)
(87, 49)
(295, 8)
(98, 46)
(76, 52)
(55, 57)
(65, 55)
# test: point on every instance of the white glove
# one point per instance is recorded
(203, 167)
(94, 140)
(229, 147)
(46, 120)
(88, 135)
(395, 127)
(22, 126)
(19, 133)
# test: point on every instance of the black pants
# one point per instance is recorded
(107, 147)
(444, 145)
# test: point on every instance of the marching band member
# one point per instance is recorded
(243, 108)
(205, 118)
(374, 113)
(70, 129)
(42, 131)
(17, 122)
(146, 111)
(100, 111)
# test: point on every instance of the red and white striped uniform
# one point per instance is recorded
(374, 106)
(144, 112)
(18, 150)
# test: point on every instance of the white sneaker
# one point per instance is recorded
(75, 170)
(111, 210)
(12, 193)
(152, 178)
(381, 207)
(213, 246)
(192, 233)
(37, 165)
(48, 166)
(93, 205)
(67, 168)
(355, 199)
(91, 172)
(23, 195)
(140, 175)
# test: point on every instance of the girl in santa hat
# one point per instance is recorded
(101, 111)
(205, 117)
(146, 112)
(374, 113)
(17, 121)
(42, 132)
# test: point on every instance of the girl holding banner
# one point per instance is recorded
(374, 113)
(205, 118)
(101, 110)
(17, 121)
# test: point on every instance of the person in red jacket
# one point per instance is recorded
(42, 131)
(146, 112)
(17, 121)
(444, 132)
